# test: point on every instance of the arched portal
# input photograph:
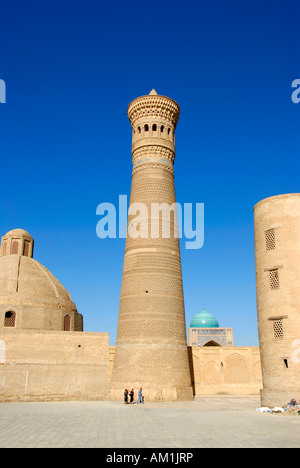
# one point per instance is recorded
(212, 343)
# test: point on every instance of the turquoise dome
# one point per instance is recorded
(204, 320)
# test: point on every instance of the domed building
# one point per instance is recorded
(30, 296)
(205, 331)
(44, 352)
(204, 320)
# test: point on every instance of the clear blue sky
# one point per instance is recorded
(72, 67)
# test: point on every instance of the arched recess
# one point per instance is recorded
(212, 374)
(212, 343)
(67, 323)
(14, 247)
(236, 370)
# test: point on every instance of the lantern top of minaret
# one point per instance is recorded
(153, 105)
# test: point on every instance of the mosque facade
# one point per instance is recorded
(204, 330)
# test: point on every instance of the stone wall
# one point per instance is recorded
(53, 366)
(225, 371)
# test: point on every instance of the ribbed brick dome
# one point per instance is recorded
(30, 291)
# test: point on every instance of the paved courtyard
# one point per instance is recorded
(207, 423)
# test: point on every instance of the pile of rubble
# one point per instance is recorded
(292, 409)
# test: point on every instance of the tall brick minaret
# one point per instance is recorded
(151, 349)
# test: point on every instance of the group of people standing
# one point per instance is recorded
(130, 395)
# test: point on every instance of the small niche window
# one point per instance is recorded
(139, 129)
(169, 131)
(15, 247)
(278, 333)
(10, 319)
(26, 248)
(146, 128)
(274, 279)
(154, 127)
(286, 363)
(270, 239)
(67, 323)
(162, 128)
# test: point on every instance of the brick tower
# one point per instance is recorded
(151, 349)
(277, 255)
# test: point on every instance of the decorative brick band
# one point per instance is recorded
(153, 165)
(154, 152)
(154, 106)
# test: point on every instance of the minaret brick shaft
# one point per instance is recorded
(151, 349)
